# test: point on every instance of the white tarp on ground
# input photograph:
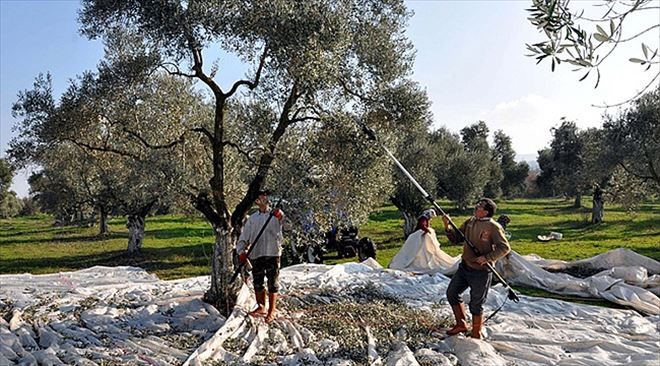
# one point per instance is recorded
(123, 315)
(624, 278)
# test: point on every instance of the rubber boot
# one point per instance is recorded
(272, 305)
(477, 322)
(461, 325)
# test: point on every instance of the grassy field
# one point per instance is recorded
(176, 246)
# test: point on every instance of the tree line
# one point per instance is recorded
(152, 130)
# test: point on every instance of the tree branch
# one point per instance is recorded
(640, 33)
(632, 98)
(250, 84)
(629, 171)
(241, 151)
(199, 73)
(266, 159)
(206, 133)
(103, 149)
(353, 93)
(176, 71)
(203, 204)
(155, 147)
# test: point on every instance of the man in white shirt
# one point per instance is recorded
(265, 256)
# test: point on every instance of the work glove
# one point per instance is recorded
(243, 258)
(278, 213)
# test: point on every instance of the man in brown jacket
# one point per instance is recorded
(473, 272)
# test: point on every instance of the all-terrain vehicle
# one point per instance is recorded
(347, 243)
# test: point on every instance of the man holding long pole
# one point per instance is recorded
(488, 238)
(261, 243)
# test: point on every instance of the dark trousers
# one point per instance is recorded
(268, 267)
(478, 282)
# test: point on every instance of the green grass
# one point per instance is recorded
(639, 231)
(174, 246)
(177, 246)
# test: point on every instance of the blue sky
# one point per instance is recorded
(470, 59)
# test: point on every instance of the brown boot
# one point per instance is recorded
(477, 322)
(461, 325)
(272, 301)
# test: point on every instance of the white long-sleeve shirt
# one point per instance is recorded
(270, 242)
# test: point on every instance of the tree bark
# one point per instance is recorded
(103, 221)
(598, 208)
(409, 224)
(135, 227)
(578, 201)
(222, 294)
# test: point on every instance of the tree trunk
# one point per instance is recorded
(222, 293)
(597, 210)
(103, 222)
(578, 201)
(409, 224)
(135, 227)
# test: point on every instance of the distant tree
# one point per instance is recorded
(67, 187)
(6, 177)
(485, 170)
(10, 204)
(475, 138)
(567, 160)
(29, 207)
(586, 50)
(597, 170)
(316, 63)
(545, 178)
(445, 148)
(635, 137)
(513, 173)
(106, 149)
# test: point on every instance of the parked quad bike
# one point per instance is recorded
(348, 245)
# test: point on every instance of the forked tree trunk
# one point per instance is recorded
(409, 224)
(103, 223)
(135, 227)
(222, 293)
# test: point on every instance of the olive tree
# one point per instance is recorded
(314, 61)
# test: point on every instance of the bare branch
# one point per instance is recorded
(640, 33)
(176, 71)
(250, 84)
(632, 98)
(206, 132)
(155, 147)
(199, 73)
(241, 151)
(354, 93)
(636, 175)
